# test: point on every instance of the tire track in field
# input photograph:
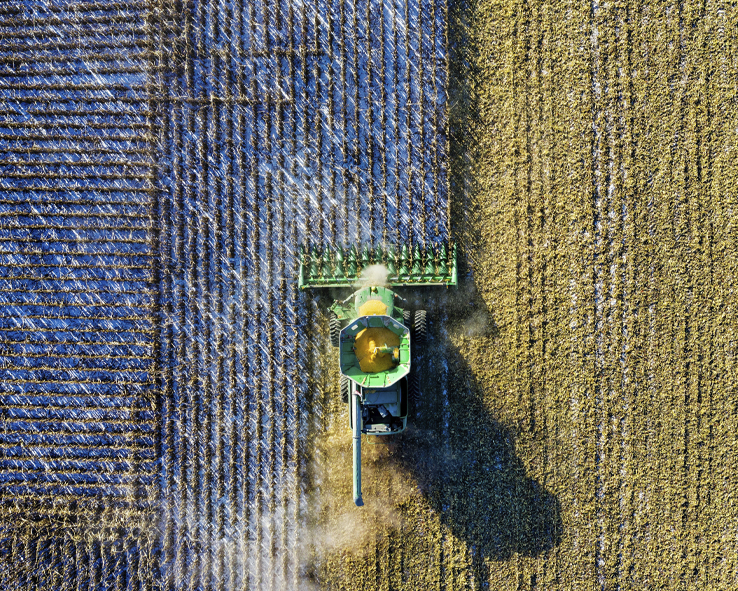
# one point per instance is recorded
(555, 303)
(643, 336)
(549, 300)
(599, 329)
(722, 258)
(633, 307)
(685, 233)
(613, 299)
(680, 280)
(699, 292)
(668, 325)
(587, 312)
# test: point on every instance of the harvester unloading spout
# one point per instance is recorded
(356, 410)
(373, 335)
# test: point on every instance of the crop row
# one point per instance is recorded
(77, 337)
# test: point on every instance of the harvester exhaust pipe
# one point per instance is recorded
(357, 450)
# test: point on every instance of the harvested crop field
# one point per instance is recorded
(170, 406)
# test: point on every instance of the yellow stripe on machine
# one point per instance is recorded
(373, 308)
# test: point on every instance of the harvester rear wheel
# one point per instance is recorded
(413, 387)
(419, 328)
(345, 386)
(335, 328)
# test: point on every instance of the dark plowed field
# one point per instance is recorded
(170, 410)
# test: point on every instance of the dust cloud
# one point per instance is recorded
(343, 527)
(373, 275)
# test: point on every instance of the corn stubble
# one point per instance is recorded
(587, 396)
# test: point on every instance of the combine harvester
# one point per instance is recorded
(376, 338)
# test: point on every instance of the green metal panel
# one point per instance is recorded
(349, 363)
(376, 322)
(410, 267)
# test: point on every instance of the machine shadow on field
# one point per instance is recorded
(455, 465)
(479, 487)
(462, 458)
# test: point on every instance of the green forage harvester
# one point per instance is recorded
(373, 334)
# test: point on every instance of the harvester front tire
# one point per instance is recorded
(407, 318)
(345, 389)
(420, 326)
(335, 328)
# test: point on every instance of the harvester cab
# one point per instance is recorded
(375, 334)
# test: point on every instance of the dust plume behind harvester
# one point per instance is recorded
(376, 338)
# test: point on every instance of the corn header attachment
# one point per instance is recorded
(405, 266)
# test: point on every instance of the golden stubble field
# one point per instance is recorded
(577, 428)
